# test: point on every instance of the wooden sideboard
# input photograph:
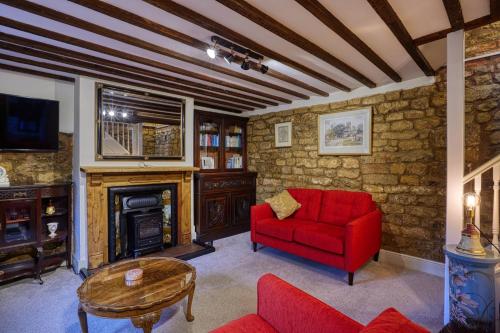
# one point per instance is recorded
(27, 247)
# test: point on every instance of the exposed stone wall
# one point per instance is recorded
(148, 140)
(167, 140)
(406, 172)
(482, 40)
(28, 168)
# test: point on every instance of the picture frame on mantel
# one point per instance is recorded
(283, 134)
(345, 133)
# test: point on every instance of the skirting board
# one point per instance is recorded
(411, 262)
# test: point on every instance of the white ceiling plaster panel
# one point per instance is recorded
(435, 52)
(473, 9)
(421, 17)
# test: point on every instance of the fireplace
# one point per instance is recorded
(141, 219)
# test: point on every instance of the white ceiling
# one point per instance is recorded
(419, 17)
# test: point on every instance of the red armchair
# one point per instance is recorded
(337, 228)
(282, 308)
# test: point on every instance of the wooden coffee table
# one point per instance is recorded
(165, 282)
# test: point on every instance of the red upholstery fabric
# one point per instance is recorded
(305, 251)
(322, 236)
(248, 324)
(340, 207)
(259, 212)
(392, 321)
(310, 200)
(290, 310)
(279, 229)
(363, 238)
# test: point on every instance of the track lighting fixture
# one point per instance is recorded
(229, 58)
(212, 51)
(245, 65)
(263, 68)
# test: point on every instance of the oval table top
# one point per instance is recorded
(163, 280)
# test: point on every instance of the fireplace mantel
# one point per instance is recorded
(146, 169)
(100, 179)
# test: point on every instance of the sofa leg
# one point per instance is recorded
(351, 278)
(254, 247)
(375, 257)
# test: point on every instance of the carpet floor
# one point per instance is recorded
(226, 290)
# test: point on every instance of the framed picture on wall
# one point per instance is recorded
(283, 134)
(345, 133)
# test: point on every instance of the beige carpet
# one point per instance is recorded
(226, 290)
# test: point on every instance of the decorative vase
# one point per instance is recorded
(52, 226)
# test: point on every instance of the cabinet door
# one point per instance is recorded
(234, 145)
(214, 212)
(240, 207)
(208, 137)
(18, 221)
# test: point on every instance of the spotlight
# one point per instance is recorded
(211, 51)
(229, 58)
(124, 114)
(263, 69)
(245, 65)
(111, 113)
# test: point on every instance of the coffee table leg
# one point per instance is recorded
(189, 316)
(146, 321)
(82, 315)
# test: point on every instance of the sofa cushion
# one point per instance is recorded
(321, 236)
(310, 200)
(392, 321)
(283, 204)
(341, 207)
(248, 324)
(279, 229)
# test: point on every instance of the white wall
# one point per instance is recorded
(27, 85)
(84, 155)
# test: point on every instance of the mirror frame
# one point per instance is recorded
(98, 126)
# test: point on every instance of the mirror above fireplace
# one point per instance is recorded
(138, 125)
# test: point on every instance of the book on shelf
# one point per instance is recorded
(209, 140)
(234, 162)
(207, 162)
(233, 141)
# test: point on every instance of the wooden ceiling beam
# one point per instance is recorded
(131, 57)
(206, 23)
(454, 12)
(103, 69)
(391, 19)
(110, 63)
(142, 22)
(327, 18)
(479, 22)
(100, 76)
(495, 10)
(262, 19)
(124, 38)
(35, 72)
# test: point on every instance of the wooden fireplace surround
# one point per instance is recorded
(99, 179)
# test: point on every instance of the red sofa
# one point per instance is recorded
(337, 228)
(282, 308)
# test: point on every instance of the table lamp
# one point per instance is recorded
(470, 243)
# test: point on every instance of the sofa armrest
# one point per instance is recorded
(363, 239)
(257, 213)
(289, 309)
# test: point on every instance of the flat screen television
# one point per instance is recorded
(28, 124)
